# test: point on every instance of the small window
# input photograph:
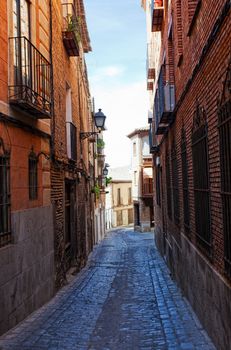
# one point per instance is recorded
(129, 195)
(118, 196)
(158, 196)
(5, 235)
(134, 149)
(135, 178)
(33, 176)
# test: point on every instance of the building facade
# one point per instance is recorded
(26, 215)
(142, 179)
(191, 154)
(119, 205)
(48, 153)
(72, 155)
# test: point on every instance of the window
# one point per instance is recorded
(201, 179)
(169, 188)
(175, 185)
(193, 10)
(129, 195)
(184, 165)
(33, 176)
(158, 175)
(5, 236)
(134, 149)
(224, 124)
(118, 196)
(21, 18)
(135, 178)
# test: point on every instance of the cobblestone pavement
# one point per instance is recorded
(124, 299)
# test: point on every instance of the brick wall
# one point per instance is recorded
(199, 78)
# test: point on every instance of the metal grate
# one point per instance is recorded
(175, 186)
(5, 234)
(224, 120)
(201, 180)
(169, 188)
(158, 198)
(33, 176)
(184, 165)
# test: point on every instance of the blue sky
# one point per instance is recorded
(117, 70)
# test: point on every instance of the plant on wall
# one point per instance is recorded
(96, 190)
(108, 180)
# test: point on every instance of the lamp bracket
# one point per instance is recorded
(85, 135)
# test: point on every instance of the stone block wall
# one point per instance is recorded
(27, 266)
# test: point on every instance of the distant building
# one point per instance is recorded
(119, 207)
(142, 180)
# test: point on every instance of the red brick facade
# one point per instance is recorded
(196, 55)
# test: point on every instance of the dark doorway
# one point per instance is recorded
(137, 214)
(70, 223)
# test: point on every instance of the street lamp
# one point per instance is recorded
(99, 119)
(105, 171)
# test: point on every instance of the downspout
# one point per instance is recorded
(52, 87)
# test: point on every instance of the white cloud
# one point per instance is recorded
(126, 109)
(102, 73)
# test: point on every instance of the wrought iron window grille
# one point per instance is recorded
(175, 185)
(201, 180)
(5, 198)
(184, 166)
(33, 176)
(168, 184)
(224, 127)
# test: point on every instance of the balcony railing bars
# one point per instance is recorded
(164, 103)
(29, 86)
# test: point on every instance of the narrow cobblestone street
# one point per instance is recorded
(123, 299)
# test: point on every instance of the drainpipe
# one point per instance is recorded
(52, 87)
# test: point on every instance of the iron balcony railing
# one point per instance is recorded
(164, 104)
(71, 141)
(29, 87)
(70, 30)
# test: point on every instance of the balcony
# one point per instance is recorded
(164, 105)
(157, 15)
(71, 30)
(71, 141)
(147, 185)
(29, 87)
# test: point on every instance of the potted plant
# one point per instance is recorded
(100, 145)
(96, 190)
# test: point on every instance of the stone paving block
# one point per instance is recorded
(124, 299)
